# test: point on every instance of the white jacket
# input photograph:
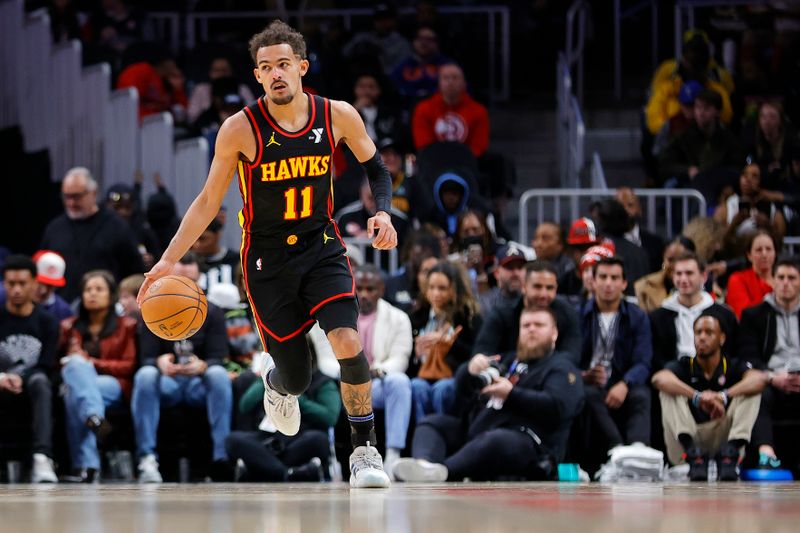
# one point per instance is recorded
(391, 342)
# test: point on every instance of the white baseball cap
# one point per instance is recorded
(50, 268)
(226, 296)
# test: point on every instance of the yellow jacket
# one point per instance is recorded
(663, 103)
(669, 70)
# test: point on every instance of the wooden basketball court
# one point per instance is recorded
(462, 508)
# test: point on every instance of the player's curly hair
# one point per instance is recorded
(278, 32)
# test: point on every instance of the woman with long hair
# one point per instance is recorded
(748, 287)
(98, 351)
(444, 330)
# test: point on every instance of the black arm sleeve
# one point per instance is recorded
(379, 182)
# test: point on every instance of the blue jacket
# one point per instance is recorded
(633, 350)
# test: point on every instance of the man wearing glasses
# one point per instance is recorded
(89, 237)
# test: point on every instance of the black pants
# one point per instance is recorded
(775, 404)
(268, 456)
(629, 423)
(38, 392)
(485, 457)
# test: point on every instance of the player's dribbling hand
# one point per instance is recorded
(159, 270)
(386, 239)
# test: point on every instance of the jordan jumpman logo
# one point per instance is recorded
(325, 237)
(272, 140)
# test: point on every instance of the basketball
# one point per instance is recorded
(174, 308)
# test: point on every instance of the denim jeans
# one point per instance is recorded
(151, 390)
(432, 398)
(393, 394)
(87, 394)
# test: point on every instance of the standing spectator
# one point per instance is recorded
(444, 330)
(500, 329)
(188, 371)
(653, 289)
(417, 76)
(98, 350)
(751, 209)
(651, 243)
(509, 273)
(548, 243)
(672, 323)
(218, 263)
(709, 404)
(89, 237)
(451, 115)
(615, 360)
(50, 268)
(518, 421)
(706, 155)
(382, 120)
(28, 337)
(385, 333)
(747, 288)
(770, 341)
(383, 41)
(201, 96)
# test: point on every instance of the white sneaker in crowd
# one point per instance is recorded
(366, 469)
(148, 470)
(43, 471)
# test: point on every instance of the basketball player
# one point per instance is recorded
(293, 257)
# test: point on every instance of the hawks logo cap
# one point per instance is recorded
(582, 231)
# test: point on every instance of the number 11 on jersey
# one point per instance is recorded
(307, 194)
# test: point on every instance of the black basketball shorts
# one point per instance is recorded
(288, 285)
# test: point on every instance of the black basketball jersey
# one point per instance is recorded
(286, 189)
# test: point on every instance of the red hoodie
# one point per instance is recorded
(466, 122)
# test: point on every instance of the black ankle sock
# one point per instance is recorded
(273, 385)
(737, 443)
(362, 430)
(686, 441)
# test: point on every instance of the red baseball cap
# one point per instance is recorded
(50, 268)
(594, 254)
(582, 231)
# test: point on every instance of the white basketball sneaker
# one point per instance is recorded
(42, 471)
(419, 470)
(366, 469)
(148, 470)
(283, 410)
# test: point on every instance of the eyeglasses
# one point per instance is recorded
(73, 195)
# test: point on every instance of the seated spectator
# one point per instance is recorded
(188, 371)
(28, 338)
(615, 360)
(113, 27)
(582, 235)
(225, 102)
(697, 41)
(651, 243)
(160, 84)
(406, 190)
(653, 289)
(747, 288)
(267, 455)
(89, 237)
(709, 404)
(162, 213)
(417, 76)
(123, 199)
(474, 247)
(666, 85)
(385, 333)
(770, 340)
(98, 358)
(752, 209)
(509, 274)
(682, 120)
(615, 224)
(201, 96)
(403, 289)
(352, 218)
(452, 194)
(705, 156)
(444, 330)
(775, 148)
(218, 263)
(50, 268)
(519, 416)
(243, 340)
(579, 283)
(548, 243)
(383, 41)
(128, 290)
(500, 329)
(672, 323)
(451, 115)
(381, 119)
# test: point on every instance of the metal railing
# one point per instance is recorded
(597, 175)
(658, 205)
(570, 128)
(497, 18)
(791, 245)
(684, 15)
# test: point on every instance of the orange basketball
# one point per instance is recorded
(174, 308)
